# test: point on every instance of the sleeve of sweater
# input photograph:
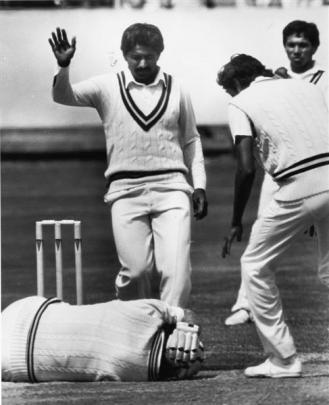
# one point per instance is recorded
(82, 94)
(192, 148)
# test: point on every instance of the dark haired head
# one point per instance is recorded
(244, 69)
(142, 34)
(308, 30)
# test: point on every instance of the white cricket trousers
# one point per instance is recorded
(271, 235)
(152, 233)
(268, 189)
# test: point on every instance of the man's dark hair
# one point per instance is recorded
(142, 34)
(308, 30)
(243, 68)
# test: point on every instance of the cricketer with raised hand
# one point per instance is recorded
(153, 151)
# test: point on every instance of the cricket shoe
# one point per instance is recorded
(272, 370)
(239, 317)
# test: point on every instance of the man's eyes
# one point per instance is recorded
(138, 57)
(292, 45)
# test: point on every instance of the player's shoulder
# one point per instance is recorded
(104, 78)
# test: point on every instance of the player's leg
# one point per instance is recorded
(171, 223)
(134, 243)
(321, 220)
(271, 235)
(241, 309)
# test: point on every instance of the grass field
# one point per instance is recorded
(39, 189)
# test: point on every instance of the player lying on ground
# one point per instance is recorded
(142, 340)
(291, 142)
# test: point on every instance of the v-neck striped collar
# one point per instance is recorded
(129, 79)
(146, 122)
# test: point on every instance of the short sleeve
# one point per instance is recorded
(239, 122)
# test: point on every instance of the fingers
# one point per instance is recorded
(200, 204)
(55, 40)
(226, 251)
(52, 44)
(175, 347)
(172, 346)
(184, 350)
(200, 209)
(74, 42)
(187, 347)
(226, 248)
(64, 36)
(236, 232)
(312, 231)
(194, 347)
(59, 41)
(182, 345)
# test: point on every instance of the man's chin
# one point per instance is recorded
(143, 77)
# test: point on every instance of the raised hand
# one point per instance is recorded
(61, 47)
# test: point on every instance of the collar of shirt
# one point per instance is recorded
(310, 72)
(131, 82)
(259, 79)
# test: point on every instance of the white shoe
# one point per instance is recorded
(269, 369)
(238, 317)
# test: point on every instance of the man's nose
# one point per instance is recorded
(142, 63)
(296, 49)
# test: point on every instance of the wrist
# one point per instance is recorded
(236, 222)
(64, 64)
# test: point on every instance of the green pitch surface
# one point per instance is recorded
(34, 190)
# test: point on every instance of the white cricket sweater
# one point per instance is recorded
(291, 122)
(316, 75)
(106, 341)
(163, 139)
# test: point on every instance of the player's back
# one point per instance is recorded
(290, 118)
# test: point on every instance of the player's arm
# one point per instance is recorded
(193, 155)
(244, 176)
(80, 94)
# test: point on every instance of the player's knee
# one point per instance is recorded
(249, 269)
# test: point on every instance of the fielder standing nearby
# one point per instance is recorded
(292, 144)
(153, 147)
(143, 340)
(300, 40)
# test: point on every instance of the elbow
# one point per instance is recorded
(55, 97)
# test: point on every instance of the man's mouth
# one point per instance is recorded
(143, 71)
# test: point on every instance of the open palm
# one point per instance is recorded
(61, 47)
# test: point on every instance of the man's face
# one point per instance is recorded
(142, 63)
(299, 51)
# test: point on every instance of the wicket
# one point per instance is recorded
(58, 256)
